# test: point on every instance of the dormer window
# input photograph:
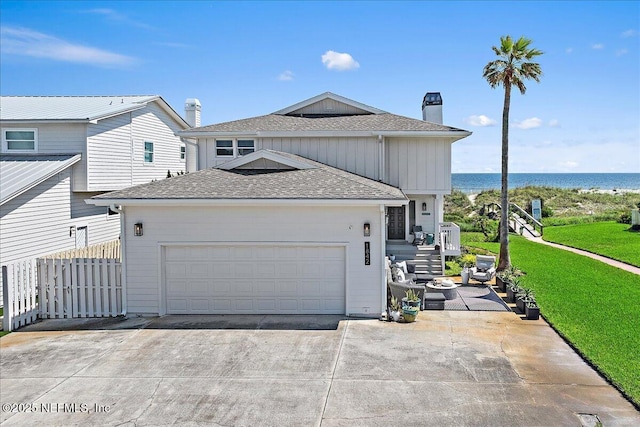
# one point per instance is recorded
(19, 140)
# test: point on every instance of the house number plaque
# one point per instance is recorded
(367, 253)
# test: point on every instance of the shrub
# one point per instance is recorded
(625, 218)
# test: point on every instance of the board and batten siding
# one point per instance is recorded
(418, 166)
(234, 224)
(359, 155)
(65, 138)
(152, 124)
(329, 106)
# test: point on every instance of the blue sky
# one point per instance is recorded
(244, 59)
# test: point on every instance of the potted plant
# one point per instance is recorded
(506, 276)
(532, 311)
(409, 313)
(465, 274)
(524, 296)
(411, 299)
(395, 309)
(512, 289)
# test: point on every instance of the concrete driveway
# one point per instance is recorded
(447, 369)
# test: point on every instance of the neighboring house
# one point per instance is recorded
(289, 212)
(58, 151)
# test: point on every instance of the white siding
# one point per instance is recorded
(101, 227)
(109, 154)
(65, 138)
(176, 225)
(154, 125)
(116, 149)
(419, 166)
(37, 222)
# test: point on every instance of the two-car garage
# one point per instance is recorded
(254, 278)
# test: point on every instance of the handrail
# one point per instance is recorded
(524, 213)
(527, 216)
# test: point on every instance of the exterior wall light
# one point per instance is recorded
(367, 229)
(137, 229)
(424, 206)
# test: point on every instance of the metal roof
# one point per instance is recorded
(74, 108)
(315, 182)
(21, 172)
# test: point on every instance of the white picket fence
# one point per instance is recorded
(61, 288)
(20, 294)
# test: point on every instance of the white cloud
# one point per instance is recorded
(569, 50)
(621, 52)
(531, 123)
(568, 164)
(480, 120)
(286, 76)
(554, 123)
(597, 46)
(629, 33)
(113, 16)
(339, 61)
(26, 42)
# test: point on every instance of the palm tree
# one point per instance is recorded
(512, 67)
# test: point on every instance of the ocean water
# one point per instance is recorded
(477, 182)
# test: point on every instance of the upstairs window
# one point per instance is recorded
(19, 140)
(183, 152)
(224, 148)
(246, 146)
(148, 152)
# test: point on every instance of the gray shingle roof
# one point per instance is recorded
(321, 182)
(20, 172)
(364, 122)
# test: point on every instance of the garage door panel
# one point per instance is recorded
(255, 279)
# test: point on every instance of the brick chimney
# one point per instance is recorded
(432, 107)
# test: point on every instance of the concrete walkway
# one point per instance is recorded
(621, 265)
(449, 368)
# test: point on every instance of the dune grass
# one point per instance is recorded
(610, 239)
(593, 305)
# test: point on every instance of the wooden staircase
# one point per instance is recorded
(427, 260)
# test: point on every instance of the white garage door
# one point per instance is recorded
(258, 279)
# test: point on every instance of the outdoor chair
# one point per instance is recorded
(419, 236)
(485, 269)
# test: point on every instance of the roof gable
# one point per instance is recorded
(328, 104)
(265, 160)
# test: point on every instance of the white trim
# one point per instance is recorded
(329, 95)
(5, 142)
(265, 154)
(246, 202)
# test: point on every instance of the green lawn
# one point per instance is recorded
(593, 305)
(611, 239)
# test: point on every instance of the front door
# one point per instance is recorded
(396, 223)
